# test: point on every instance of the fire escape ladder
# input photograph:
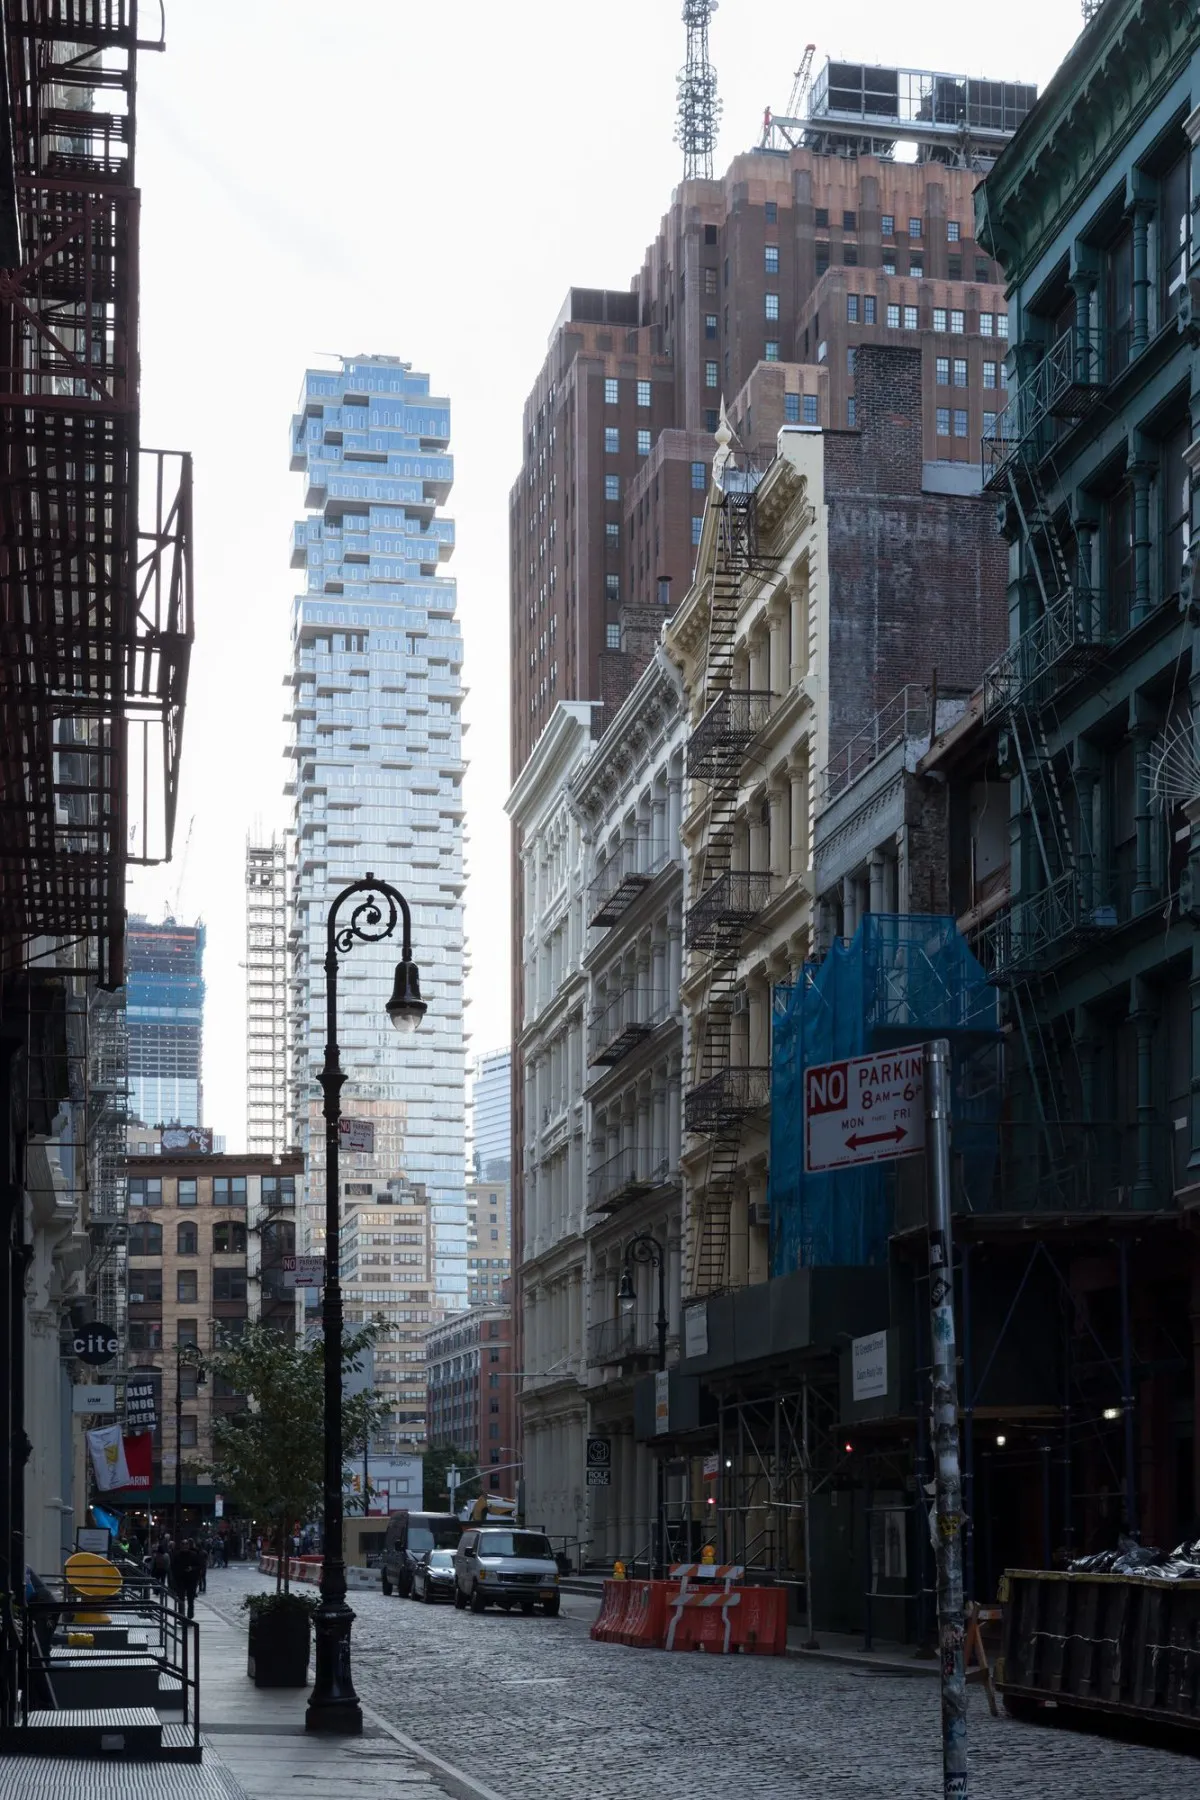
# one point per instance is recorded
(712, 1242)
(1047, 1076)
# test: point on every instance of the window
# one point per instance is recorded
(1118, 557)
(1118, 300)
(493, 1381)
(985, 324)
(914, 228)
(612, 535)
(852, 309)
(612, 587)
(145, 1287)
(710, 234)
(889, 263)
(643, 443)
(710, 375)
(850, 256)
(145, 1238)
(1002, 324)
(952, 234)
(710, 418)
(725, 272)
(187, 1331)
(145, 1334)
(791, 409)
(643, 393)
(771, 259)
(810, 409)
(939, 318)
(910, 318)
(771, 306)
(850, 359)
(187, 1431)
(822, 258)
(612, 637)
(612, 440)
(186, 1240)
(612, 391)
(1173, 238)
(821, 218)
(710, 325)
(699, 477)
(960, 371)
(851, 411)
(982, 271)
(989, 374)
(612, 487)
(943, 421)
(954, 268)
(989, 424)
(710, 281)
(849, 221)
(228, 1284)
(887, 224)
(771, 212)
(187, 1191)
(893, 318)
(697, 528)
(771, 350)
(960, 423)
(186, 1286)
(1176, 506)
(145, 1190)
(868, 309)
(278, 1190)
(916, 265)
(230, 1190)
(957, 321)
(942, 371)
(229, 1238)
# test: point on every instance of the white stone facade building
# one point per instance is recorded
(551, 1047)
(629, 794)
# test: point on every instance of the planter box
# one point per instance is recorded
(278, 1649)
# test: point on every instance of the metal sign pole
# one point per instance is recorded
(948, 1482)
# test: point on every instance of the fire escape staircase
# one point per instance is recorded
(729, 899)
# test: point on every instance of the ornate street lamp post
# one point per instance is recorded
(333, 1704)
(645, 1248)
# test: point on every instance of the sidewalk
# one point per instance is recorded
(255, 1748)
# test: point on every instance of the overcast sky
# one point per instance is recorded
(423, 181)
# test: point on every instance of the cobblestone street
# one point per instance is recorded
(534, 1710)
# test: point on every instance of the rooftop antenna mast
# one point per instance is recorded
(699, 108)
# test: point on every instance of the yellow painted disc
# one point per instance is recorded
(93, 1576)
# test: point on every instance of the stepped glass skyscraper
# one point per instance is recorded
(377, 786)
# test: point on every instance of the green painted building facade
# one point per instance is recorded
(1092, 717)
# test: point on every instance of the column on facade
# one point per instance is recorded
(758, 995)
(659, 838)
(798, 610)
(759, 847)
(642, 1129)
(779, 816)
(1143, 728)
(659, 980)
(777, 672)
(675, 802)
(1144, 1014)
(674, 1107)
(1141, 472)
(658, 1115)
(1141, 213)
(798, 807)
(760, 677)
(674, 952)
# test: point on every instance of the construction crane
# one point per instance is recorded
(787, 127)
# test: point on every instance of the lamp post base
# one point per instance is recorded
(333, 1705)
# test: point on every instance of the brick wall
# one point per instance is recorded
(917, 580)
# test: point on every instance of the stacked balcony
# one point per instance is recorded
(727, 908)
(720, 741)
(723, 1102)
(615, 1341)
(618, 1026)
(626, 873)
(1062, 388)
(1069, 638)
(629, 1175)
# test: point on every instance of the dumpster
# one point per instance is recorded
(1114, 1643)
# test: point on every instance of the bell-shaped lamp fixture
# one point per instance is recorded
(626, 1297)
(406, 1008)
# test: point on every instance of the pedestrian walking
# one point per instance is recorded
(186, 1568)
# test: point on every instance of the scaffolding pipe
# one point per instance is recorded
(945, 1421)
(1131, 1498)
(810, 1641)
(968, 1431)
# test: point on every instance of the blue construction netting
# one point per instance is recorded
(902, 978)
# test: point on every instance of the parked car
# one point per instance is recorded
(409, 1536)
(506, 1568)
(433, 1576)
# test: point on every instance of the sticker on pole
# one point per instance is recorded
(865, 1109)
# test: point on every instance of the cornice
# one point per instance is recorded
(1080, 125)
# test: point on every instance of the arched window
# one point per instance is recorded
(145, 1238)
(230, 1237)
(186, 1240)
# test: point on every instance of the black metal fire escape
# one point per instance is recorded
(1068, 635)
(729, 898)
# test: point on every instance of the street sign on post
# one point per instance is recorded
(303, 1271)
(357, 1134)
(864, 1109)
